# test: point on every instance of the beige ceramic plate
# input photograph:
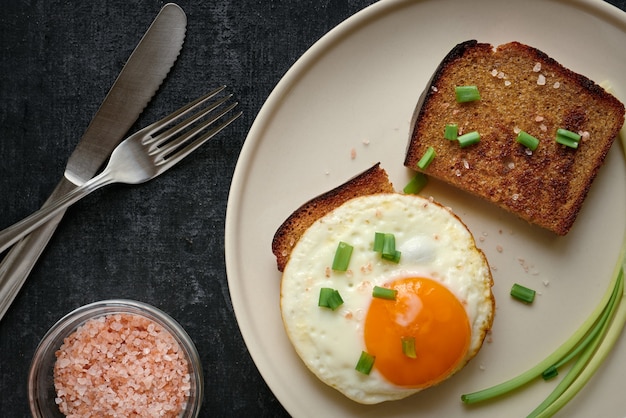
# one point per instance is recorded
(354, 92)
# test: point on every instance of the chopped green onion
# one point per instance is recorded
(382, 239)
(408, 347)
(466, 94)
(389, 244)
(416, 184)
(395, 257)
(569, 134)
(527, 140)
(550, 373)
(379, 240)
(365, 363)
(384, 293)
(427, 158)
(570, 143)
(342, 257)
(469, 138)
(567, 138)
(523, 293)
(389, 251)
(385, 244)
(451, 131)
(329, 298)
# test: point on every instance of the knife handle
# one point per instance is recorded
(19, 261)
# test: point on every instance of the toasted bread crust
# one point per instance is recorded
(373, 180)
(546, 187)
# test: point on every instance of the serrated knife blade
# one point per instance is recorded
(140, 78)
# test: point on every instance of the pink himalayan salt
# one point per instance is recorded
(121, 365)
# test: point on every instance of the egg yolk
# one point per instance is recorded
(427, 311)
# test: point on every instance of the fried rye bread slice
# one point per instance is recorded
(373, 180)
(521, 88)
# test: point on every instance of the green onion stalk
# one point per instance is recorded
(574, 380)
(562, 351)
(588, 347)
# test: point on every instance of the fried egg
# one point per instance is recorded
(443, 300)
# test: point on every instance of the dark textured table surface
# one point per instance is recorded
(161, 242)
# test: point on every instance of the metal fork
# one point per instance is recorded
(142, 156)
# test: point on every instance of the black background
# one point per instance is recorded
(161, 242)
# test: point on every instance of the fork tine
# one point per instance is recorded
(160, 124)
(173, 131)
(188, 149)
(172, 146)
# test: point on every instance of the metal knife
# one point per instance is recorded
(135, 86)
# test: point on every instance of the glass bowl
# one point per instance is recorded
(41, 391)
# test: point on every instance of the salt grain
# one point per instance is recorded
(366, 268)
(541, 80)
(537, 67)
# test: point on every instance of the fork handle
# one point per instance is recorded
(15, 232)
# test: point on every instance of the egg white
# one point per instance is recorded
(434, 243)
